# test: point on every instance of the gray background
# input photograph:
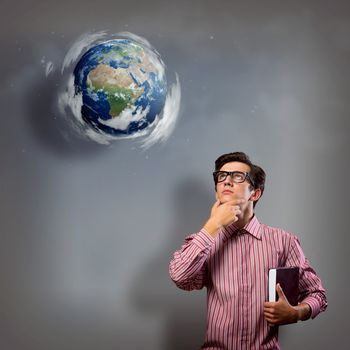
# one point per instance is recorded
(87, 231)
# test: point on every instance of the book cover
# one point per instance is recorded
(288, 278)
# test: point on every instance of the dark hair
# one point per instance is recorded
(257, 174)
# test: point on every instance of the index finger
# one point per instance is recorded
(216, 204)
(236, 201)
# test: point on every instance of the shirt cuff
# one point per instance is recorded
(203, 240)
(314, 305)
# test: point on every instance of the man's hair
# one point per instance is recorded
(256, 174)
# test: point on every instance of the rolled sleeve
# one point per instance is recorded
(314, 305)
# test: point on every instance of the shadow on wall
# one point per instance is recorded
(154, 294)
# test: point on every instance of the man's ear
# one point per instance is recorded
(255, 195)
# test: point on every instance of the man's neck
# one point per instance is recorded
(245, 219)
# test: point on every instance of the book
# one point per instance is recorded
(288, 278)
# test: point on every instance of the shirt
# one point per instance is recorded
(234, 268)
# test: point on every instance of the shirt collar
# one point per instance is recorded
(252, 227)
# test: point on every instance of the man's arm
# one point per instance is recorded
(312, 297)
(311, 291)
(187, 268)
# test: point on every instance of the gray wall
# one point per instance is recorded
(87, 231)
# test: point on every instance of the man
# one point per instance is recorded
(231, 256)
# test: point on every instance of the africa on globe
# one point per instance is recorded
(123, 86)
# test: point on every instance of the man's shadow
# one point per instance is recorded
(153, 293)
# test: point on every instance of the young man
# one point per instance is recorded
(231, 256)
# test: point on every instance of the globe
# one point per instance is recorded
(123, 87)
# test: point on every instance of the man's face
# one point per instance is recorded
(228, 190)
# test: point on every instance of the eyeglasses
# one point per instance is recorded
(236, 176)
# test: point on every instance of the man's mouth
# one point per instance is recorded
(227, 192)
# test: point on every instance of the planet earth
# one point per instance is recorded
(123, 87)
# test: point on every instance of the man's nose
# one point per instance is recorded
(228, 180)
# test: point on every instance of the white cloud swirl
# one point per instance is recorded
(70, 102)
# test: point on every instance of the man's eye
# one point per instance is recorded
(239, 177)
(221, 176)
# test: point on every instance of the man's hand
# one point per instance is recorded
(281, 312)
(223, 215)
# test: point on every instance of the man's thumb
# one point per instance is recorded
(280, 292)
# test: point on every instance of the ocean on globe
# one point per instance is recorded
(123, 87)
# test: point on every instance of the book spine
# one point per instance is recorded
(272, 284)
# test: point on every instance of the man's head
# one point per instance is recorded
(236, 176)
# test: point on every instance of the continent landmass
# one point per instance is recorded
(119, 87)
(139, 63)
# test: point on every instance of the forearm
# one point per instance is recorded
(303, 312)
(212, 227)
(317, 301)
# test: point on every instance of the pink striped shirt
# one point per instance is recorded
(234, 267)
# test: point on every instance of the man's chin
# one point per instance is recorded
(226, 198)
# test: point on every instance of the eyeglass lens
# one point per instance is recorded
(236, 176)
